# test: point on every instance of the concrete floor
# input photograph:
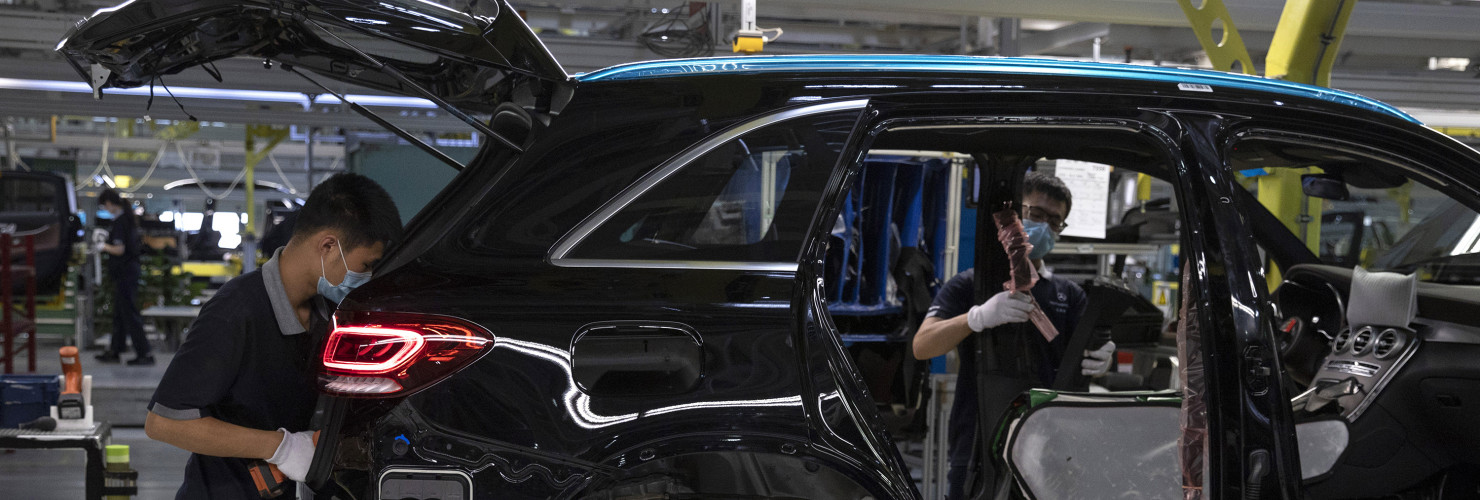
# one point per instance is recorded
(58, 474)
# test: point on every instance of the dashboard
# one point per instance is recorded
(1410, 394)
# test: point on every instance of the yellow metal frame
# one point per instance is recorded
(270, 136)
(1303, 50)
(1281, 192)
(1226, 51)
(207, 269)
(1306, 41)
(176, 131)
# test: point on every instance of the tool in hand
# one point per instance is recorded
(268, 479)
(70, 404)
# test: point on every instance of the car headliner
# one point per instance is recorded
(977, 64)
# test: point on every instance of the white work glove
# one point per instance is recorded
(1097, 362)
(1003, 308)
(294, 455)
(98, 247)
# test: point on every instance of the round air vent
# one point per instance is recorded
(1342, 341)
(1361, 341)
(1389, 342)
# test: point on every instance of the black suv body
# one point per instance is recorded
(598, 306)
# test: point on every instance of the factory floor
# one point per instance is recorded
(120, 396)
(58, 474)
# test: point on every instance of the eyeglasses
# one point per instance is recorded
(1054, 220)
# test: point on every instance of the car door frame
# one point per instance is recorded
(1251, 445)
(1192, 156)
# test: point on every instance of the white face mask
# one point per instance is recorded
(352, 279)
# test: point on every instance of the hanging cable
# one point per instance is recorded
(279, 169)
(202, 183)
(672, 36)
(148, 173)
(16, 163)
(102, 165)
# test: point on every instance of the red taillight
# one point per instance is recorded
(394, 354)
(369, 350)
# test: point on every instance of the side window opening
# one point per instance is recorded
(748, 200)
(1377, 215)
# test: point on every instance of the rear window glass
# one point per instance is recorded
(27, 195)
(748, 200)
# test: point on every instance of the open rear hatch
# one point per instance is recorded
(470, 59)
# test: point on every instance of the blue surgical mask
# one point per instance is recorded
(352, 279)
(1040, 236)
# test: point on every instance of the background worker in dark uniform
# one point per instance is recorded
(123, 245)
(954, 316)
(242, 386)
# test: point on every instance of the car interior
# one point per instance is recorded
(1386, 404)
(1378, 364)
(1377, 331)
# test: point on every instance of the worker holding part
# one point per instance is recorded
(242, 387)
(954, 316)
(123, 247)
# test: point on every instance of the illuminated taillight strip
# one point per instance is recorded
(413, 342)
(358, 385)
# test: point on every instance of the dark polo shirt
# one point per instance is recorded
(246, 361)
(1063, 303)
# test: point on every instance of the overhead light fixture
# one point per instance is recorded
(225, 94)
(181, 182)
(1449, 63)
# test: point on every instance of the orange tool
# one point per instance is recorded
(70, 405)
(267, 478)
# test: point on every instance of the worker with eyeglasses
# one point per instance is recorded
(954, 316)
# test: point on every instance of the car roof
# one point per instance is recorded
(985, 65)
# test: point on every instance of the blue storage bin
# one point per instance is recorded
(24, 398)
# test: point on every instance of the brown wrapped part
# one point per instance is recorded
(1040, 320)
(1015, 241)
(1192, 445)
(1023, 275)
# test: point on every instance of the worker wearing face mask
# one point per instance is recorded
(123, 248)
(242, 386)
(953, 317)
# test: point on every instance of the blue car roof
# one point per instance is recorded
(977, 64)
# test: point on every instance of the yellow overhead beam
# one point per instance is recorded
(180, 129)
(261, 139)
(1459, 132)
(1281, 192)
(1306, 40)
(1303, 50)
(1227, 52)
